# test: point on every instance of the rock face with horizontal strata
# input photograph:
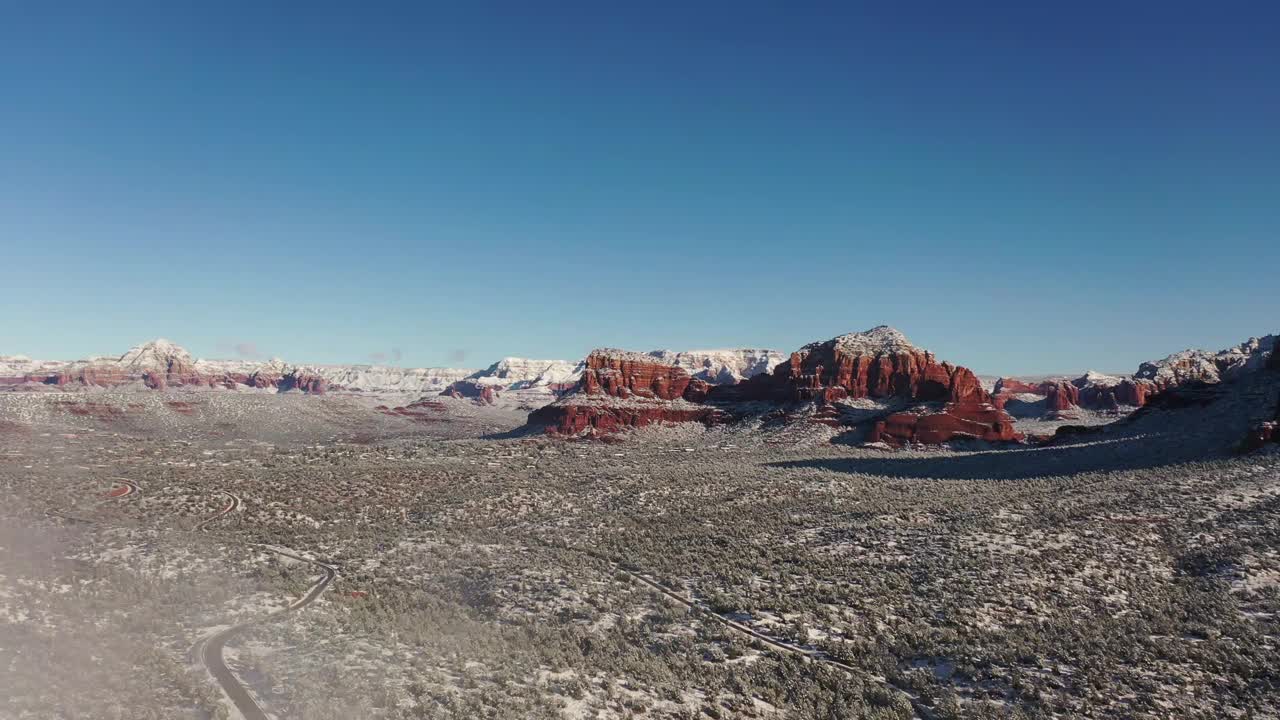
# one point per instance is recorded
(1091, 390)
(619, 389)
(622, 374)
(979, 421)
(878, 363)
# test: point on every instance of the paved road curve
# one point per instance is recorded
(234, 503)
(209, 650)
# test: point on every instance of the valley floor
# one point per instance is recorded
(703, 575)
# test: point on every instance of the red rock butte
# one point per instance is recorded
(622, 389)
(619, 389)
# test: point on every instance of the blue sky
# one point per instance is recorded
(1020, 190)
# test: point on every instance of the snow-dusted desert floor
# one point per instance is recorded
(734, 572)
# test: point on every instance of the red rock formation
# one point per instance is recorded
(620, 389)
(267, 376)
(572, 419)
(421, 411)
(1059, 395)
(1014, 386)
(479, 392)
(304, 381)
(956, 421)
(622, 374)
(879, 363)
(627, 390)
(697, 390)
(1099, 396)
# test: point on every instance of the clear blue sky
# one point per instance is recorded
(1019, 189)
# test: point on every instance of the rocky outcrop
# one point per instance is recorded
(1099, 392)
(1092, 390)
(882, 363)
(1192, 366)
(1060, 395)
(619, 389)
(1267, 432)
(956, 421)
(576, 418)
(1261, 436)
(303, 381)
(622, 374)
(472, 390)
(879, 363)
(1014, 386)
(525, 383)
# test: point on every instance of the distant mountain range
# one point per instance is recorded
(162, 364)
(876, 382)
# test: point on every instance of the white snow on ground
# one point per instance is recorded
(881, 339)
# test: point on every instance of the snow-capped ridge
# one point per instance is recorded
(1093, 377)
(1196, 365)
(881, 339)
(516, 372)
(156, 355)
(723, 366)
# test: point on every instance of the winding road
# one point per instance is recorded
(234, 503)
(209, 650)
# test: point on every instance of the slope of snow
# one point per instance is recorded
(880, 339)
(1097, 379)
(158, 354)
(17, 365)
(513, 373)
(722, 366)
(164, 356)
(1206, 366)
(376, 378)
(232, 367)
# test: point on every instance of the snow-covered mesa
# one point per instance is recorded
(722, 366)
(513, 373)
